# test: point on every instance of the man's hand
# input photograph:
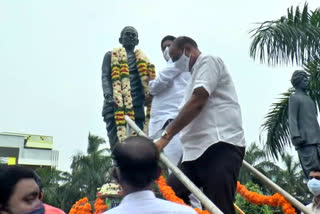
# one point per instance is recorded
(161, 143)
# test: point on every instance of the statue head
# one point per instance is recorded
(129, 37)
(299, 80)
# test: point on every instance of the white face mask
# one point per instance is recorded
(314, 186)
(183, 62)
(166, 54)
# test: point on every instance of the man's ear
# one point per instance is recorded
(137, 42)
(41, 195)
(120, 40)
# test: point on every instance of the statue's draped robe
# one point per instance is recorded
(109, 104)
(303, 123)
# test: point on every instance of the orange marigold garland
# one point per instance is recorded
(82, 206)
(170, 195)
(275, 200)
(100, 206)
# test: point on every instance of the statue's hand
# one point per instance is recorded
(297, 141)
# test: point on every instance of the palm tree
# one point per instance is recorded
(292, 179)
(258, 159)
(51, 180)
(89, 171)
(292, 39)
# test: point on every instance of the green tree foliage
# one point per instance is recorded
(89, 171)
(249, 208)
(292, 39)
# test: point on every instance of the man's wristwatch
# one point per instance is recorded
(165, 135)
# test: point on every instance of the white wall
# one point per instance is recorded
(28, 156)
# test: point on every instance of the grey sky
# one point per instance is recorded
(51, 54)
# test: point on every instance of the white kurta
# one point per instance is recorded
(220, 119)
(146, 202)
(168, 90)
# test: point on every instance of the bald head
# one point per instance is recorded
(130, 29)
(137, 159)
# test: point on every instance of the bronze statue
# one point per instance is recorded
(125, 75)
(303, 124)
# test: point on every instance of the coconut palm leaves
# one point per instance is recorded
(291, 39)
(276, 121)
(294, 39)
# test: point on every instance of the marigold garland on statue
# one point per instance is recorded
(275, 200)
(122, 89)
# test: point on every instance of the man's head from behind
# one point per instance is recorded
(19, 192)
(129, 37)
(137, 162)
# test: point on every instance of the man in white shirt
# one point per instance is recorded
(167, 90)
(137, 160)
(211, 127)
(314, 188)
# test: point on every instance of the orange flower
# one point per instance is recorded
(100, 206)
(82, 206)
(170, 195)
(275, 200)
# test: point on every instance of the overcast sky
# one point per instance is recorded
(51, 54)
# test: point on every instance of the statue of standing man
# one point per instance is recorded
(303, 124)
(125, 77)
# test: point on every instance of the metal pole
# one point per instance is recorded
(276, 188)
(177, 172)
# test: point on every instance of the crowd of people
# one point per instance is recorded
(195, 120)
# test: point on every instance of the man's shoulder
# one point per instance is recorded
(175, 208)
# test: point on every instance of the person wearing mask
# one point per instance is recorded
(167, 90)
(48, 208)
(137, 167)
(19, 191)
(314, 188)
(210, 127)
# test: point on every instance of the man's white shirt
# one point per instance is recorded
(168, 90)
(146, 202)
(220, 119)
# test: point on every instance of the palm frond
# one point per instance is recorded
(312, 67)
(291, 39)
(277, 127)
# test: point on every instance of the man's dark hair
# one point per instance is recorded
(137, 159)
(9, 177)
(166, 38)
(181, 41)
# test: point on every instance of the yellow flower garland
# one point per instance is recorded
(122, 89)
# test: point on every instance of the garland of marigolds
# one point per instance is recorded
(122, 89)
(275, 200)
(168, 193)
(81, 207)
